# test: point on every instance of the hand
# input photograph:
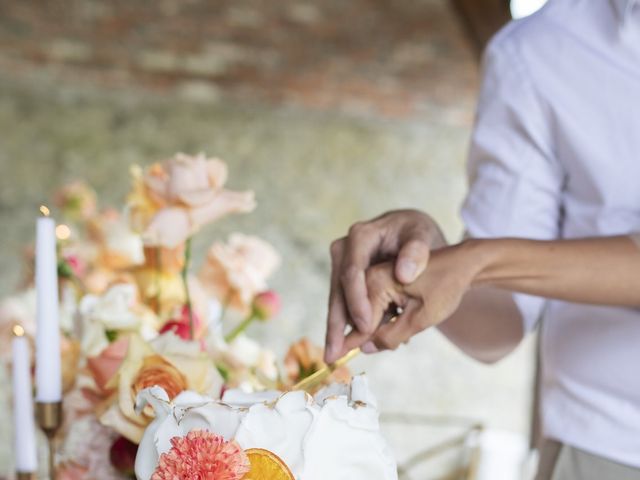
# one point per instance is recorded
(427, 302)
(404, 236)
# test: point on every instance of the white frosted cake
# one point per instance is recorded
(334, 435)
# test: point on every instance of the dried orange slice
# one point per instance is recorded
(266, 465)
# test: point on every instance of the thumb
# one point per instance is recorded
(412, 260)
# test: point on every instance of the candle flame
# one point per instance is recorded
(18, 331)
(63, 232)
(44, 210)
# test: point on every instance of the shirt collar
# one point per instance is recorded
(623, 9)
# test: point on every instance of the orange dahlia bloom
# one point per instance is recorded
(202, 455)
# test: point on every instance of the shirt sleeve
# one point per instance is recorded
(515, 180)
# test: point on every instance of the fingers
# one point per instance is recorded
(412, 260)
(390, 336)
(384, 294)
(338, 315)
(360, 247)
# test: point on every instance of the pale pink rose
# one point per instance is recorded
(181, 195)
(236, 271)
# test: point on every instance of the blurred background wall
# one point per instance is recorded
(332, 111)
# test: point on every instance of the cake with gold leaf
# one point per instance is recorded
(268, 435)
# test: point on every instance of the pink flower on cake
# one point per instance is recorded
(172, 200)
(236, 271)
(202, 455)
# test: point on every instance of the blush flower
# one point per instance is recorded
(172, 200)
(202, 455)
(236, 271)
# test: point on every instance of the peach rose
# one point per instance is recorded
(236, 271)
(169, 362)
(173, 200)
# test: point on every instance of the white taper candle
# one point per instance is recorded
(48, 371)
(24, 427)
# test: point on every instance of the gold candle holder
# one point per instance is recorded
(49, 416)
(25, 476)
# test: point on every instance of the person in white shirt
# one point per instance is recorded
(555, 154)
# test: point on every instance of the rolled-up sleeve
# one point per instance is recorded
(515, 181)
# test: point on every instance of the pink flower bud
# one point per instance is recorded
(267, 304)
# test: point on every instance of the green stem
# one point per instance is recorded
(225, 307)
(242, 326)
(158, 273)
(185, 282)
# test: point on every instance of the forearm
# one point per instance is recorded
(604, 271)
(486, 326)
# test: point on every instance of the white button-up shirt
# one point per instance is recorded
(556, 154)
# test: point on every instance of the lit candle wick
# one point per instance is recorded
(44, 210)
(18, 331)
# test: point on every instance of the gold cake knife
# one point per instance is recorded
(321, 375)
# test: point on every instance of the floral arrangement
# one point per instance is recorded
(135, 313)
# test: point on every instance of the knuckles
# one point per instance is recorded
(336, 247)
(361, 229)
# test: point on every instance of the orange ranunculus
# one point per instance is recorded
(305, 358)
(236, 271)
(155, 370)
(172, 200)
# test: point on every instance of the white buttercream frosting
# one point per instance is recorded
(334, 435)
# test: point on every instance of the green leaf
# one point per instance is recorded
(111, 335)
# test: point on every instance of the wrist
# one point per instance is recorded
(482, 256)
